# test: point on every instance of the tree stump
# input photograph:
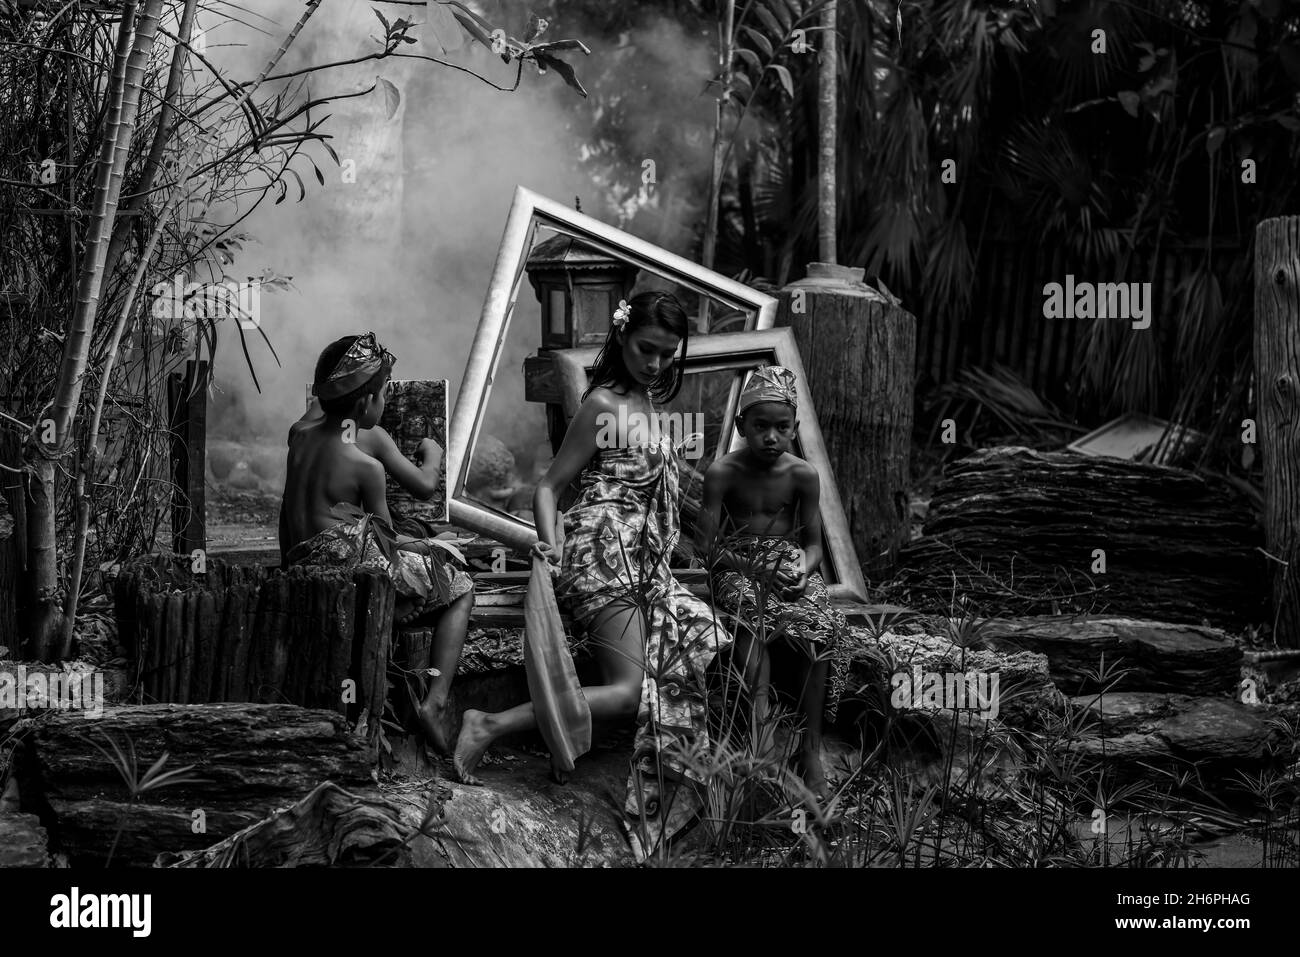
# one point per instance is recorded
(859, 351)
(1277, 378)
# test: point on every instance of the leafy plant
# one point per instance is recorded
(139, 785)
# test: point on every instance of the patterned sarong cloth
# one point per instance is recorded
(619, 537)
(431, 581)
(808, 623)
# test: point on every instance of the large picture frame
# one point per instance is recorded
(530, 211)
(745, 352)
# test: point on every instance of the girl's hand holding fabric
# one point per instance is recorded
(547, 553)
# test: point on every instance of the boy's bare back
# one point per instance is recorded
(323, 470)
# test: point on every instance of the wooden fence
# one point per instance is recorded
(258, 634)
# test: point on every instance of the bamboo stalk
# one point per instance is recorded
(111, 347)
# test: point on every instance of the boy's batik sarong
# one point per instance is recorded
(431, 581)
(618, 539)
(808, 623)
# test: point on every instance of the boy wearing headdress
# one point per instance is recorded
(335, 511)
(761, 528)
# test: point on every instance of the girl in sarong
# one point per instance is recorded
(653, 639)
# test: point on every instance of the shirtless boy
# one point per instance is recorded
(337, 456)
(761, 526)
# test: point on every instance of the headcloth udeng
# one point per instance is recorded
(769, 384)
(364, 359)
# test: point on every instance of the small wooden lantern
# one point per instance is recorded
(579, 289)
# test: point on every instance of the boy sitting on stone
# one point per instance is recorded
(761, 527)
(335, 511)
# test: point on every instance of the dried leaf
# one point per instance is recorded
(392, 98)
(562, 68)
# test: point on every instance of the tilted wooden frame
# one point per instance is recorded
(528, 212)
(744, 351)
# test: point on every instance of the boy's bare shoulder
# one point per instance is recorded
(724, 470)
(804, 473)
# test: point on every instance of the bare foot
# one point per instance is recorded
(432, 718)
(473, 741)
(558, 774)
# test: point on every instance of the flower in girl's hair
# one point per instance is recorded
(622, 314)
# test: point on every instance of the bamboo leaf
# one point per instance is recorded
(787, 81)
(750, 57)
(763, 42)
(769, 21)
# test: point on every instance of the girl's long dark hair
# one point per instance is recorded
(647, 309)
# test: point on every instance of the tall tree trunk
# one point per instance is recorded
(42, 455)
(138, 196)
(827, 118)
(1277, 371)
(726, 41)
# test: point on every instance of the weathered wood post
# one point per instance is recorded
(1277, 391)
(188, 401)
(859, 351)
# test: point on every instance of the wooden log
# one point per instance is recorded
(252, 759)
(330, 827)
(371, 641)
(221, 660)
(858, 351)
(156, 648)
(307, 648)
(1153, 655)
(1277, 377)
(318, 639)
(207, 638)
(185, 666)
(259, 639)
(269, 635)
(340, 659)
(239, 599)
(174, 647)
